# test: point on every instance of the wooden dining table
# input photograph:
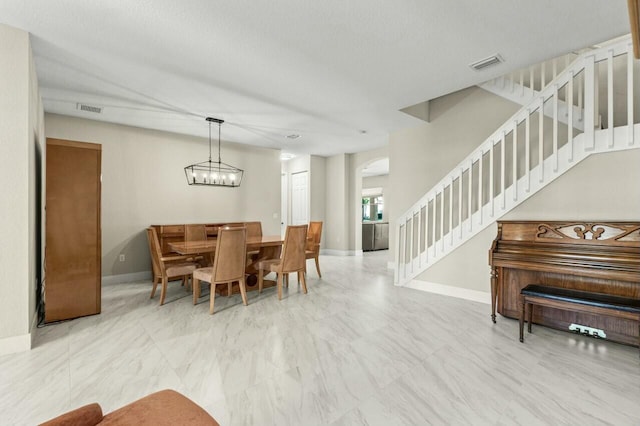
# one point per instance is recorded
(268, 247)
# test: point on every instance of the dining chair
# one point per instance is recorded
(166, 268)
(198, 232)
(254, 229)
(228, 265)
(312, 249)
(292, 259)
(195, 233)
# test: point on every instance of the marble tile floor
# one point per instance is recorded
(354, 351)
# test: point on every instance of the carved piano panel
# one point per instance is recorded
(601, 257)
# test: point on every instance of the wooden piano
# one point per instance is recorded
(602, 257)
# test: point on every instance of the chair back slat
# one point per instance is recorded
(314, 235)
(254, 229)
(195, 232)
(293, 255)
(230, 260)
(155, 251)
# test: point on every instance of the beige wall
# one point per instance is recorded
(420, 156)
(20, 131)
(336, 226)
(375, 182)
(317, 189)
(602, 187)
(143, 183)
(357, 162)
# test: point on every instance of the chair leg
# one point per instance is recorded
(196, 290)
(163, 290)
(302, 278)
(243, 291)
(212, 298)
(279, 283)
(260, 280)
(156, 280)
(530, 307)
(318, 267)
(286, 280)
(229, 288)
(521, 319)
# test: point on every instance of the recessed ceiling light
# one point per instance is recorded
(285, 156)
(293, 136)
(363, 132)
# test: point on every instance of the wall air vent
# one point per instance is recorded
(89, 108)
(486, 62)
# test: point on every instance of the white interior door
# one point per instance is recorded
(284, 203)
(300, 198)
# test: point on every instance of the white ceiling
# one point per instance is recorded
(327, 70)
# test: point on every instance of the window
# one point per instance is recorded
(372, 208)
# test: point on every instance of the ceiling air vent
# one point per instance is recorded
(486, 62)
(89, 108)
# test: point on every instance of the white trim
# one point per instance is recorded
(126, 278)
(332, 252)
(448, 290)
(13, 344)
(34, 324)
(391, 265)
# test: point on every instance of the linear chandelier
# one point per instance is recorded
(214, 173)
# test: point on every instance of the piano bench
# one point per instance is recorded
(576, 301)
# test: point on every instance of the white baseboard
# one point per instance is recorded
(448, 290)
(13, 344)
(126, 278)
(332, 252)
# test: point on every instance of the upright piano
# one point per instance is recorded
(602, 257)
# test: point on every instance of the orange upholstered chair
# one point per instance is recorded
(164, 408)
(292, 260)
(228, 265)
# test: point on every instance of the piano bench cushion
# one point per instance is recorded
(600, 300)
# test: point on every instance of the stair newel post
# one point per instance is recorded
(469, 204)
(460, 202)
(396, 272)
(630, 136)
(433, 228)
(491, 179)
(610, 97)
(570, 115)
(450, 227)
(480, 182)
(527, 149)
(522, 81)
(442, 218)
(515, 160)
(589, 102)
(543, 80)
(426, 230)
(503, 141)
(541, 139)
(555, 128)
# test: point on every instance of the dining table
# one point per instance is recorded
(268, 247)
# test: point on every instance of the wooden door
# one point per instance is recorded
(72, 237)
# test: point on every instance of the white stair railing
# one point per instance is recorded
(526, 153)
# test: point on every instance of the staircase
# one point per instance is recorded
(526, 153)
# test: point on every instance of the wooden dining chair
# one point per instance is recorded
(254, 230)
(195, 233)
(312, 249)
(228, 265)
(198, 232)
(166, 268)
(292, 259)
